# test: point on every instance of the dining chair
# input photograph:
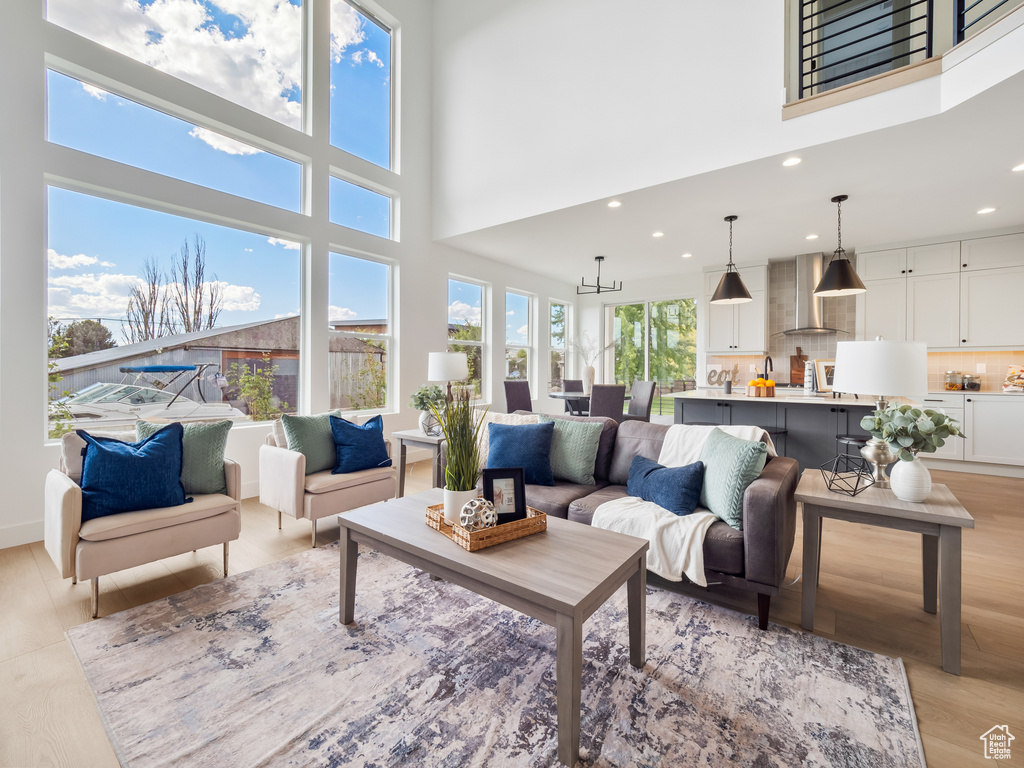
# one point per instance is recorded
(517, 396)
(608, 400)
(640, 401)
(572, 385)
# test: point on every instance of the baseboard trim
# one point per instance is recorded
(22, 533)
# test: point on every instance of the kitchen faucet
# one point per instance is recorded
(768, 365)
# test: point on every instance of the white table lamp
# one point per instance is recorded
(449, 367)
(883, 369)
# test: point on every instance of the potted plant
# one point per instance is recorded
(422, 400)
(589, 350)
(460, 425)
(908, 431)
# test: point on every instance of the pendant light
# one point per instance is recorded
(731, 289)
(839, 279)
(598, 286)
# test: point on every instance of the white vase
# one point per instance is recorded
(454, 501)
(910, 480)
(588, 379)
(429, 425)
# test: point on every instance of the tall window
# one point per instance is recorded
(162, 306)
(360, 320)
(557, 326)
(466, 327)
(654, 341)
(518, 336)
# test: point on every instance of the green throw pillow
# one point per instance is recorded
(202, 459)
(574, 449)
(311, 436)
(730, 465)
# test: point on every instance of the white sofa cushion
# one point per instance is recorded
(324, 482)
(128, 523)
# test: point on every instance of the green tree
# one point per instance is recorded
(256, 388)
(78, 338)
(60, 414)
(370, 382)
(468, 332)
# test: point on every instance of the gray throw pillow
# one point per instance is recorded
(202, 456)
(574, 450)
(730, 465)
(311, 436)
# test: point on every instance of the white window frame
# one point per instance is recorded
(484, 346)
(389, 337)
(530, 345)
(567, 359)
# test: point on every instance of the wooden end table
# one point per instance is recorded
(559, 576)
(422, 439)
(939, 519)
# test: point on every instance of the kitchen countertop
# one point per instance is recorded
(783, 395)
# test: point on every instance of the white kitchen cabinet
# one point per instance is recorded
(738, 329)
(937, 259)
(933, 309)
(994, 425)
(882, 310)
(953, 449)
(882, 265)
(989, 307)
(991, 252)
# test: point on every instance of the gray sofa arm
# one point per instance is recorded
(769, 521)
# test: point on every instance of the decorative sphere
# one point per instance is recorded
(478, 514)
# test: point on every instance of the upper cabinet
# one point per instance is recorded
(738, 329)
(991, 252)
(938, 259)
(989, 304)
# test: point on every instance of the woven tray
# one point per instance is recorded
(534, 522)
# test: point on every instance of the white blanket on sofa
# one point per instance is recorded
(677, 543)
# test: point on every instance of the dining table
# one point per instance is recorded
(579, 403)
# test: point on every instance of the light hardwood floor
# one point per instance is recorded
(870, 597)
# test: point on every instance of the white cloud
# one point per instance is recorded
(373, 58)
(238, 298)
(223, 143)
(248, 250)
(340, 313)
(357, 57)
(461, 312)
(60, 261)
(510, 313)
(523, 330)
(96, 93)
(287, 244)
(346, 29)
(282, 315)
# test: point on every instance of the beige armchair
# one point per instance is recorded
(109, 544)
(285, 486)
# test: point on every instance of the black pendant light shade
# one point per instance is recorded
(731, 289)
(839, 279)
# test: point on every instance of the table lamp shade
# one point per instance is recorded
(447, 366)
(881, 368)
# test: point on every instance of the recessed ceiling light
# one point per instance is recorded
(687, 255)
(658, 234)
(811, 237)
(791, 161)
(986, 210)
(1018, 167)
(614, 204)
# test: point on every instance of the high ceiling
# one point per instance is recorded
(921, 180)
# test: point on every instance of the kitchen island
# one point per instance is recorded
(811, 423)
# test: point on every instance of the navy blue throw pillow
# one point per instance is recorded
(359, 447)
(123, 477)
(677, 489)
(522, 445)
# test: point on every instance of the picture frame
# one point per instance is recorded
(505, 488)
(825, 371)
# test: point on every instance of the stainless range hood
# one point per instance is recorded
(809, 316)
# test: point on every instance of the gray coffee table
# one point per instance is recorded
(939, 519)
(559, 577)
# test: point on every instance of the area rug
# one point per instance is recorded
(255, 670)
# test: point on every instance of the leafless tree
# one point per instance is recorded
(197, 303)
(148, 313)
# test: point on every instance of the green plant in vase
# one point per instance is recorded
(460, 424)
(908, 431)
(423, 399)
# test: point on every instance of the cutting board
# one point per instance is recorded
(796, 367)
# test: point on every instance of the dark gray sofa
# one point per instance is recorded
(753, 560)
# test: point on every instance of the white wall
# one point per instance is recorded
(421, 266)
(540, 106)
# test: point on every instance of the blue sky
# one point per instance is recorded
(97, 248)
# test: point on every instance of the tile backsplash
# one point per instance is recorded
(995, 362)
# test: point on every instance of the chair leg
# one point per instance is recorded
(763, 602)
(314, 534)
(96, 597)
(225, 558)
(74, 580)
(279, 519)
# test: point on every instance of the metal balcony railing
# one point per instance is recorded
(970, 14)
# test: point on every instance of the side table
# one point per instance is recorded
(939, 519)
(422, 439)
